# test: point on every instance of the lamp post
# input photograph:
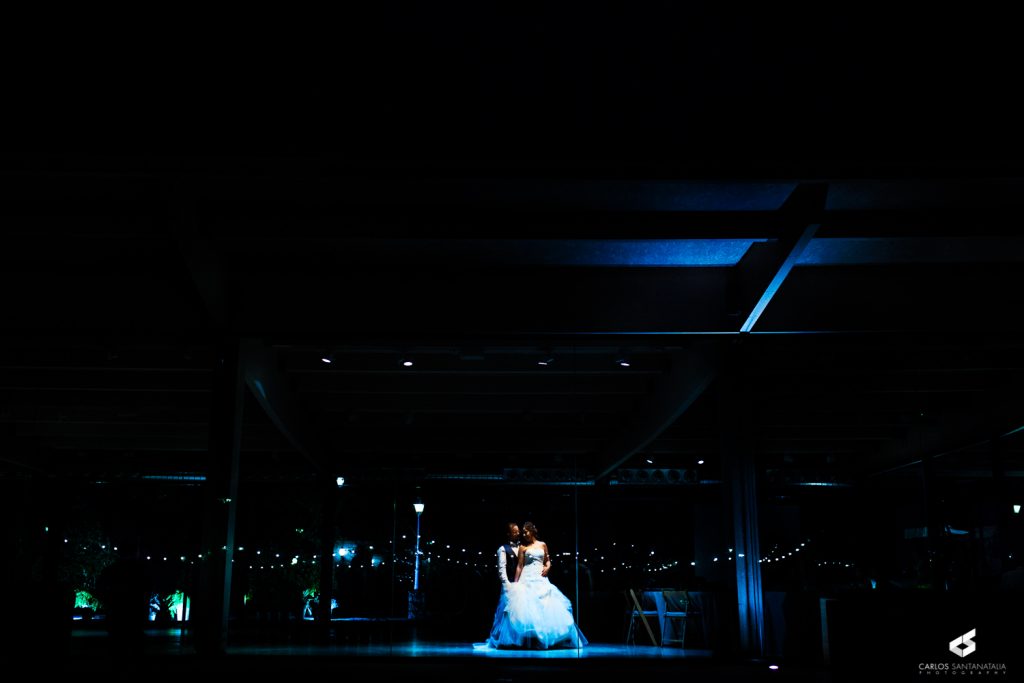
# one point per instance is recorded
(418, 507)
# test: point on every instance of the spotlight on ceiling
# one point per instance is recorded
(406, 362)
(546, 360)
(700, 462)
(327, 358)
(622, 361)
(340, 481)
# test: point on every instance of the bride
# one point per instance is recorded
(537, 614)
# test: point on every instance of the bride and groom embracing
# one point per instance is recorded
(532, 612)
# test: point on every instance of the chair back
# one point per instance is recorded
(640, 610)
(676, 602)
(642, 602)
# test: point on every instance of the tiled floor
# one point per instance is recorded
(166, 655)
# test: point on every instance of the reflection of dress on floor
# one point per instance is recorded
(533, 613)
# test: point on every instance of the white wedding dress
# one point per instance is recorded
(535, 613)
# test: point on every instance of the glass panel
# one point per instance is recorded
(637, 549)
(463, 525)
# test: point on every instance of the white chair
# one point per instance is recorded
(679, 608)
(639, 611)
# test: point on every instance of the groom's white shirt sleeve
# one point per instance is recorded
(502, 572)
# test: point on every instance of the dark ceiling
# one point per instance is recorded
(827, 220)
(886, 331)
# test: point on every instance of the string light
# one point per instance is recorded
(647, 567)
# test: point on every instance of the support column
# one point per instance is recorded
(740, 502)
(935, 571)
(1003, 546)
(220, 503)
(329, 494)
(743, 492)
(56, 595)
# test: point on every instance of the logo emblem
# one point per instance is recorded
(964, 645)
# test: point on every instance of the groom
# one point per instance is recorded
(502, 630)
(508, 560)
(508, 557)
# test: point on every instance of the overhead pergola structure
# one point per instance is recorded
(561, 328)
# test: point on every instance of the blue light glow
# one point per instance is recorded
(633, 194)
(637, 253)
(836, 251)
(822, 483)
(791, 260)
(653, 253)
(174, 477)
(468, 477)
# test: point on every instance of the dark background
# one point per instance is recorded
(346, 174)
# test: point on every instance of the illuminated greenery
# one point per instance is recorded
(87, 553)
(85, 600)
(173, 601)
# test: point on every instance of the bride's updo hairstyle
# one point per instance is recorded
(529, 526)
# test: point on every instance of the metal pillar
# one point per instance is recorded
(741, 502)
(329, 492)
(221, 502)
